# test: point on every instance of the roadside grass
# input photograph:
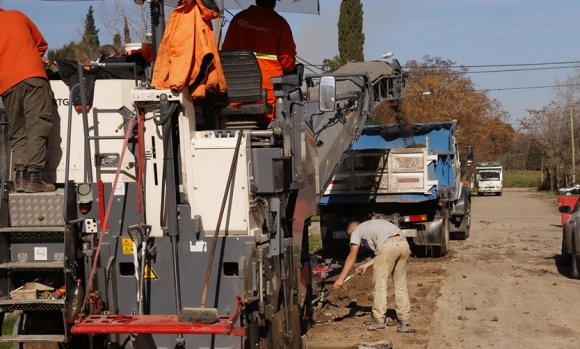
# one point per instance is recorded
(315, 244)
(8, 328)
(521, 179)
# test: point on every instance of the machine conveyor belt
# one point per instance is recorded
(160, 324)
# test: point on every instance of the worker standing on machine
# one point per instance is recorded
(27, 97)
(263, 31)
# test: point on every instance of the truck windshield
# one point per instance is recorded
(489, 176)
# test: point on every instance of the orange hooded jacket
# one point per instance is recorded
(187, 55)
(267, 34)
(21, 47)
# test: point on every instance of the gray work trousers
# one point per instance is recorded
(29, 108)
(391, 260)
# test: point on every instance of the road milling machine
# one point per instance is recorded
(154, 187)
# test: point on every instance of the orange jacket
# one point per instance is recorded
(21, 47)
(267, 34)
(188, 54)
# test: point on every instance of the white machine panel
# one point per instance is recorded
(211, 160)
(108, 95)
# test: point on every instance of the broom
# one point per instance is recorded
(202, 314)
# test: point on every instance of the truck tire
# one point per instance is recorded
(441, 251)
(465, 227)
(574, 261)
(564, 256)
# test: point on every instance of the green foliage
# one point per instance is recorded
(332, 64)
(315, 244)
(68, 51)
(90, 40)
(117, 41)
(521, 179)
(127, 32)
(351, 38)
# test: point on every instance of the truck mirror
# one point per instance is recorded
(327, 93)
(469, 155)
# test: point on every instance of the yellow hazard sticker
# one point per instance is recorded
(127, 245)
(149, 273)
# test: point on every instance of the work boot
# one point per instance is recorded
(374, 323)
(37, 184)
(20, 181)
(405, 327)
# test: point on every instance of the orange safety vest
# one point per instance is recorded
(267, 34)
(188, 53)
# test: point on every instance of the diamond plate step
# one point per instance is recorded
(51, 338)
(36, 209)
(43, 229)
(32, 265)
(31, 304)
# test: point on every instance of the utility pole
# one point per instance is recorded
(573, 146)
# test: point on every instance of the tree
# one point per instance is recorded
(127, 32)
(117, 41)
(437, 90)
(351, 38)
(547, 127)
(134, 19)
(90, 39)
(332, 64)
(68, 51)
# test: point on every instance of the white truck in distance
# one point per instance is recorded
(489, 176)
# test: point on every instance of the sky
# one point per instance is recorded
(469, 32)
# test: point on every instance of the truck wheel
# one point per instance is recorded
(574, 261)
(465, 227)
(565, 256)
(441, 251)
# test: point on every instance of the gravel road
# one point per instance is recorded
(501, 288)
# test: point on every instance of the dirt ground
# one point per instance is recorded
(501, 288)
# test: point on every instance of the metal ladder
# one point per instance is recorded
(32, 240)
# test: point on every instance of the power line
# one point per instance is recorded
(504, 65)
(525, 87)
(306, 66)
(515, 64)
(508, 88)
(452, 72)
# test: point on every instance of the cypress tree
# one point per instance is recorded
(351, 38)
(90, 40)
(126, 31)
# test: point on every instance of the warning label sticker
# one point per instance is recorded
(127, 245)
(149, 273)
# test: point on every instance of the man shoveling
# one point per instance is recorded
(391, 254)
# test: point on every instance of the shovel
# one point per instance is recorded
(326, 293)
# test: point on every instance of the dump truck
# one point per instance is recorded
(166, 207)
(408, 175)
(489, 177)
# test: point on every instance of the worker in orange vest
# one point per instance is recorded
(263, 31)
(27, 98)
